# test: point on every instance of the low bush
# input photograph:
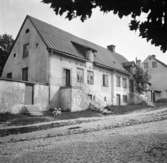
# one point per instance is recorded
(162, 100)
(126, 108)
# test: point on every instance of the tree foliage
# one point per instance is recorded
(6, 42)
(153, 28)
(141, 79)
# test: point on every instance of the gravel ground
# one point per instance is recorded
(139, 143)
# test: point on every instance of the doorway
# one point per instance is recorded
(29, 94)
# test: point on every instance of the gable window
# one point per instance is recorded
(80, 75)
(154, 64)
(125, 98)
(14, 55)
(118, 81)
(90, 77)
(25, 74)
(124, 82)
(145, 65)
(27, 30)
(25, 50)
(105, 80)
(9, 75)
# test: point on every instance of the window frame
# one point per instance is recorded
(82, 78)
(154, 64)
(89, 73)
(26, 50)
(9, 75)
(124, 82)
(105, 80)
(125, 98)
(146, 65)
(118, 84)
(25, 76)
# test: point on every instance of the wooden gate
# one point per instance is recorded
(29, 94)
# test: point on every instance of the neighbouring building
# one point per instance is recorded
(157, 71)
(75, 71)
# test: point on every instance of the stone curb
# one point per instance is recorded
(43, 126)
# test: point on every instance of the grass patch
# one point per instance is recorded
(20, 119)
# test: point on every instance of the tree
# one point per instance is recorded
(6, 42)
(141, 79)
(153, 28)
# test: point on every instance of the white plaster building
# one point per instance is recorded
(157, 71)
(75, 70)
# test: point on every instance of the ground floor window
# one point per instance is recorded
(9, 75)
(125, 98)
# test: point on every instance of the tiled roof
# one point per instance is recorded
(62, 41)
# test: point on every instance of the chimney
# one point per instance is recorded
(111, 48)
(153, 56)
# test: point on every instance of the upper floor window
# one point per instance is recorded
(90, 77)
(154, 64)
(9, 75)
(14, 55)
(25, 50)
(25, 74)
(124, 82)
(118, 81)
(105, 80)
(80, 75)
(145, 65)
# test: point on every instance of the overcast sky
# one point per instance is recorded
(102, 29)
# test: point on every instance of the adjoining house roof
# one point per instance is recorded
(154, 57)
(160, 62)
(62, 41)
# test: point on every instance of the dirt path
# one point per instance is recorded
(140, 143)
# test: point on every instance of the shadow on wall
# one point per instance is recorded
(55, 101)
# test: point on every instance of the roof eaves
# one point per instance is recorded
(111, 68)
(160, 62)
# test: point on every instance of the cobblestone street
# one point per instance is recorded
(140, 143)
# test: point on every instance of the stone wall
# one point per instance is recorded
(12, 94)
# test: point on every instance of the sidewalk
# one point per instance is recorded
(65, 127)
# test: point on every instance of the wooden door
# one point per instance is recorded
(29, 94)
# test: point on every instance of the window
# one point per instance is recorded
(118, 81)
(14, 55)
(124, 82)
(154, 64)
(145, 65)
(105, 80)
(80, 75)
(90, 96)
(27, 30)
(25, 74)
(90, 77)
(125, 98)
(25, 50)
(9, 75)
